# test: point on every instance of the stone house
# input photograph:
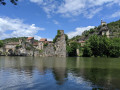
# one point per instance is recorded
(104, 31)
(30, 40)
(10, 47)
(103, 23)
(82, 43)
(35, 45)
(41, 43)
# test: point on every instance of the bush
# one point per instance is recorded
(18, 46)
(28, 48)
(45, 44)
(1, 43)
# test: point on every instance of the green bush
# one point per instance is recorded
(18, 46)
(45, 44)
(1, 43)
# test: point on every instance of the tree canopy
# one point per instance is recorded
(3, 2)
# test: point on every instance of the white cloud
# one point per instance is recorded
(79, 31)
(16, 28)
(56, 22)
(116, 14)
(68, 8)
(37, 1)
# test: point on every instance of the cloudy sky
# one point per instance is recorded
(42, 18)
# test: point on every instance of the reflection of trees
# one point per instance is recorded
(99, 72)
(102, 73)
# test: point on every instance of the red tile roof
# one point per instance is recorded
(29, 38)
(43, 39)
(82, 41)
(35, 44)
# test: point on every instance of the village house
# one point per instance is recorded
(41, 43)
(82, 43)
(10, 47)
(103, 23)
(30, 40)
(35, 45)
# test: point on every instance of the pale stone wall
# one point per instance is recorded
(107, 33)
(56, 49)
(60, 46)
(1, 49)
(49, 50)
(40, 45)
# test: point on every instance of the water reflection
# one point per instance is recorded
(59, 73)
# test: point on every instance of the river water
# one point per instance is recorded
(50, 73)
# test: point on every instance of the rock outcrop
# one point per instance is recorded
(58, 48)
(60, 45)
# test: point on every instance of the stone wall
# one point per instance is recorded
(60, 45)
(57, 49)
(49, 50)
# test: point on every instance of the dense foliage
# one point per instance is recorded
(1, 43)
(71, 48)
(13, 39)
(57, 36)
(2, 2)
(115, 28)
(18, 46)
(102, 46)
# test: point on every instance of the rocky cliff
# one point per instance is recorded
(57, 48)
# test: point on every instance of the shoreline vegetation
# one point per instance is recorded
(101, 41)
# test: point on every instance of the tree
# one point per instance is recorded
(12, 1)
(1, 43)
(87, 52)
(71, 49)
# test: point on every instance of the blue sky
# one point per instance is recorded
(42, 18)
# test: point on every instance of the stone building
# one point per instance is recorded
(30, 40)
(82, 43)
(104, 31)
(41, 43)
(35, 45)
(103, 23)
(10, 47)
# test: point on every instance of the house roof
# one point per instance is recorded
(43, 39)
(35, 44)
(13, 43)
(29, 38)
(81, 41)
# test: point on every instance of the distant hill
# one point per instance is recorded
(7, 40)
(114, 28)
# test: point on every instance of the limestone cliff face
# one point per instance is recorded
(60, 45)
(58, 48)
(48, 51)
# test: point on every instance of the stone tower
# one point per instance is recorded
(60, 45)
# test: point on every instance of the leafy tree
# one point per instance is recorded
(2, 2)
(1, 43)
(87, 52)
(71, 48)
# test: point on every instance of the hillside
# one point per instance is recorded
(114, 28)
(14, 39)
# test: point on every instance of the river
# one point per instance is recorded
(50, 73)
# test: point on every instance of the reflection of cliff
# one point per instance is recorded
(59, 70)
